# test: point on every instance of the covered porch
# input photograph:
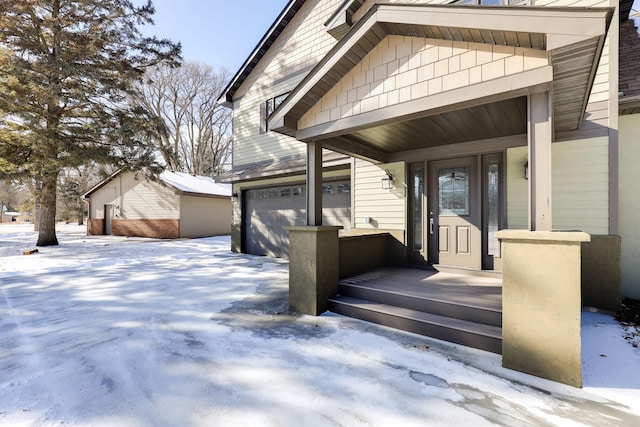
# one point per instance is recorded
(442, 84)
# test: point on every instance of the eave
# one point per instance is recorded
(289, 11)
(629, 105)
(572, 39)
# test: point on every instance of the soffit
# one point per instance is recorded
(574, 55)
(488, 121)
(282, 167)
(629, 105)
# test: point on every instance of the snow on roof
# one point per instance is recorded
(195, 184)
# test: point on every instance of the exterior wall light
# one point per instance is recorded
(526, 170)
(387, 181)
(234, 197)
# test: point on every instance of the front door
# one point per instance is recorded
(454, 213)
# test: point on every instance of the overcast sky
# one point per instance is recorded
(220, 33)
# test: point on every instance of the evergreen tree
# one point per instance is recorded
(67, 71)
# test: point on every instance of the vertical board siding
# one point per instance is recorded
(144, 199)
(386, 208)
(299, 47)
(580, 180)
(630, 203)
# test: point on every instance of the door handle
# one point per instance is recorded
(430, 225)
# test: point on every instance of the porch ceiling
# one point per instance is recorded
(573, 56)
(493, 120)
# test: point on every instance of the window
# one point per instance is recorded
(327, 189)
(453, 191)
(267, 108)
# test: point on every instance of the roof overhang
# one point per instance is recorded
(629, 105)
(283, 168)
(101, 184)
(289, 11)
(572, 39)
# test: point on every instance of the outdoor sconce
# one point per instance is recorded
(234, 197)
(387, 181)
(526, 170)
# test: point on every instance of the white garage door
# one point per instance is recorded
(270, 210)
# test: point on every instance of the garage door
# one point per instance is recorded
(270, 210)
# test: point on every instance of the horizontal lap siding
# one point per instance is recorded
(386, 208)
(298, 48)
(517, 189)
(580, 182)
(251, 146)
(630, 203)
(143, 199)
(581, 185)
(107, 195)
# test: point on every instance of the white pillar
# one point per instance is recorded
(540, 136)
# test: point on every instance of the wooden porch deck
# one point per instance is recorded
(456, 307)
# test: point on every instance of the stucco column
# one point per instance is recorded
(540, 135)
(314, 183)
(313, 268)
(541, 304)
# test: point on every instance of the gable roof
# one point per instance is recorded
(289, 11)
(574, 46)
(195, 184)
(183, 183)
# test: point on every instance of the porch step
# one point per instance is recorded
(462, 303)
(452, 307)
(476, 335)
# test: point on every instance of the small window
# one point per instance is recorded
(285, 192)
(267, 108)
(273, 194)
(298, 191)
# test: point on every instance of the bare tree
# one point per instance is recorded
(194, 130)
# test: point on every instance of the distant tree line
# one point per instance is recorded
(84, 93)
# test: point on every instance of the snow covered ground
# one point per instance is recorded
(111, 331)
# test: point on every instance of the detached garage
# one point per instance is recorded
(175, 205)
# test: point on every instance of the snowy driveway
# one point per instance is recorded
(111, 331)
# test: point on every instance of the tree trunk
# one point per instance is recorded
(80, 219)
(47, 216)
